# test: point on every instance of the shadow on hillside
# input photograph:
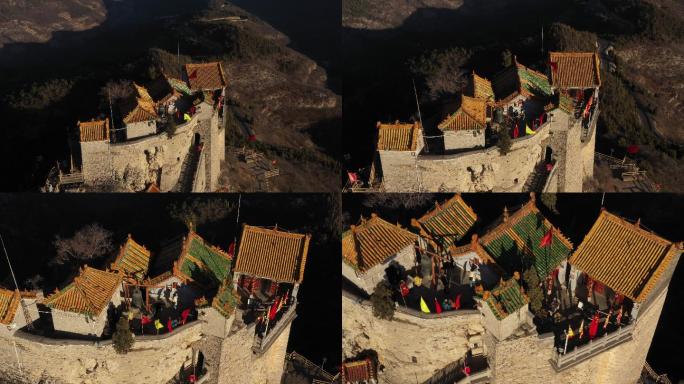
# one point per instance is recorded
(313, 26)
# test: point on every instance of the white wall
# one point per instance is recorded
(140, 129)
(462, 139)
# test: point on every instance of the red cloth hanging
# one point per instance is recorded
(438, 308)
(353, 177)
(145, 320)
(457, 302)
(274, 309)
(593, 327)
(516, 131)
(184, 315)
(168, 325)
(403, 289)
(231, 249)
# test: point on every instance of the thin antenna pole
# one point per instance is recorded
(178, 58)
(9, 263)
(237, 218)
(420, 118)
(542, 38)
(603, 197)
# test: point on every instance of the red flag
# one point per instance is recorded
(353, 177)
(593, 327)
(231, 249)
(549, 167)
(516, 131)
(287, 296)
(145, 320)
(457, 302)
(185, 314)
(547, 239)
(274, 309)
(403, 289)
(633, 149)
(438, 308)
(554, 66)
(168, 325)
(193, 75)
(466, 370)
(251, 138)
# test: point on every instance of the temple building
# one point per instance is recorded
(549, 119)
(81, 307)
(362, 371)
(447, 223)
(369, 248)
(12, 315)
(576, 314)
(268, 271)
(133, 259)
(168, 134)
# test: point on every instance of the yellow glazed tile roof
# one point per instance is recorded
(472, 114)
(575, 69)
(9, 301)
(623, 256)
(205, 76)
(272, 254)
(89, 293)
(133, 259)
(481, 87)
(96, 130)
(373, 241)
(398, 136)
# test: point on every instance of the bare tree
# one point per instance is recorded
(198, 211)
(117, 90)
(89, 242)
(397, 200)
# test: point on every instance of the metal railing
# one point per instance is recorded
(609, 340)
(261, 344)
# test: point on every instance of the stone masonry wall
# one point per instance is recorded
(139, 162)
(433, 343)
(240, 365)
(486, 170)
(150, 361)
(472, 171)
(526, 359)
(464, 139)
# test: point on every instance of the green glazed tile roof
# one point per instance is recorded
(510, 298)
(519, 239)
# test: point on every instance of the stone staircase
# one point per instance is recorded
(188, 170)
(535, 182)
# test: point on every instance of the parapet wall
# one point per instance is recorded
(480, 170)
(409, 347)
(155, 360)
(527, 359)
(472, 171)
